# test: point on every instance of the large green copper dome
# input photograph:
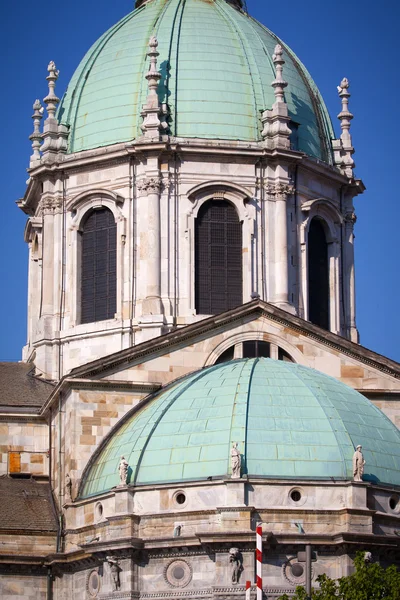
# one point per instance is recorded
(290, 422)
(217, 69)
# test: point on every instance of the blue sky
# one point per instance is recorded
(357, 39)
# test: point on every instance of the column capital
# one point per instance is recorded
(50, 205)
(149, 185)
(350, 217)
(279, 190)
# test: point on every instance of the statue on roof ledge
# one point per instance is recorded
(358, 464)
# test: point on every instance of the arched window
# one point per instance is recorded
(218, 258)
(98, 266)
(318, 275)
(254, 349)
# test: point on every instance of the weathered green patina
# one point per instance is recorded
(290, 422)
(217, 69)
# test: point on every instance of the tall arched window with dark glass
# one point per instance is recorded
(98, 266)
(318, 275)
(218, 258)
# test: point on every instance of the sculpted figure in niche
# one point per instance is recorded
(115, 570)
(358, 464)
(68, 488)
(235, 461)
(235, 560)
(123, 471)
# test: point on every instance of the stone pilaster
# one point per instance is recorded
(279, 192)
(349, 275)
(149, 189)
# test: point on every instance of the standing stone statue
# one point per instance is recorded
(358, 464)
(115, 570)
(236, 461)
(123, 471)
(68, 488)
(236, 562)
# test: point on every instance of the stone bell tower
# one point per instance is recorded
(185, 217)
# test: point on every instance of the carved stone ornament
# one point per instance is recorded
(368, 557)
(279, 190)
(351, 217)
(50, 205)
(123, 471)
(236, 461)
(235, 560)
(68, 488)
(115, 570)
(178, 573)
(149, 185)
(358, 464)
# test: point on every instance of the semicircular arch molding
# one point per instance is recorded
(327, 212)
(219, 190)
(81, 204)
(262, 336)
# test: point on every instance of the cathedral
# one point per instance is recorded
(193, 409)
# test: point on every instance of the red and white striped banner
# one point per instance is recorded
(248, 590)
(259, 562)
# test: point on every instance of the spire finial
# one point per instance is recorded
(152, 111)
(53, 143)
(276, 131)
(51, 99)
(36, 136)
(153, 76)
(279, 83)
(345, 118)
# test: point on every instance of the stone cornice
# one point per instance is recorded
(25, 417)
(245, 312)
(213, 149)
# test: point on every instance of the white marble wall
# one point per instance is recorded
(274, 244)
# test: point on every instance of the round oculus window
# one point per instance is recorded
(295, 496)
(98, 511)
(294, 572)
(180, 498)
(178, 573)
(93, 583)
(297, 569)
(394, 503)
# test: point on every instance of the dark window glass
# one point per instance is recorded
(282, 355)
(218, 258)
(98, 267)
(226, 356)
(318, 275)
(255, 349)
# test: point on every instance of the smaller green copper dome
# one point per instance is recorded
(217, 69)
(290, 421)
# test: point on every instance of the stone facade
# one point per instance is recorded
(185, 538)
(230, 172)
(25, 444)
(23, 587)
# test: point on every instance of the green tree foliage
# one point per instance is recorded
(370, 581)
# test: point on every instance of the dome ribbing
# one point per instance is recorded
(291, 422)
(216, 66)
